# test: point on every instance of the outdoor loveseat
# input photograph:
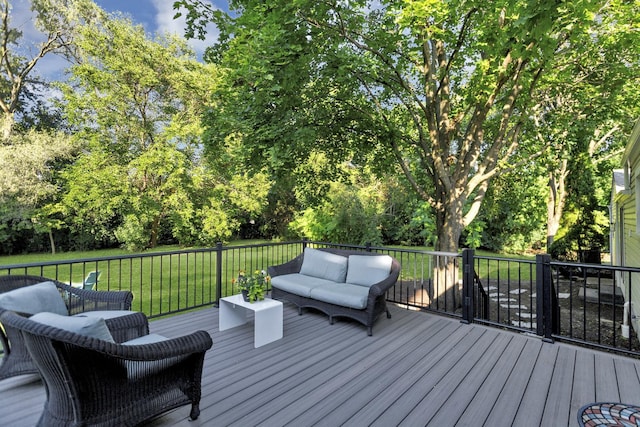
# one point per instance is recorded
(63, 299)
(338, 282)
(90, 379)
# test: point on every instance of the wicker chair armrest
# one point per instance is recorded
(289, 267)
(125, 328)
(195, 342)
(80, 300)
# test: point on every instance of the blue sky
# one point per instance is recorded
(154, 15)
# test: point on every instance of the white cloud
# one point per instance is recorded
(166, 23)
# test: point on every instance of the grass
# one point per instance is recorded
(168, 283)
(160, 283)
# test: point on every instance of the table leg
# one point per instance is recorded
(231, 315)
(268, 326)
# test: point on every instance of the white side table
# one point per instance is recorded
(267, 317)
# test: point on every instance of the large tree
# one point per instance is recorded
(135, 104)
(587, 105)
(56, 20)
(33, 147)
(443, 88)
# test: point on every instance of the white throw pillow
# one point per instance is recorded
(324, 265)
(94, 327)
(34, 299)
(367, 270)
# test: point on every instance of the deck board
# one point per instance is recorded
(628, 383)
(416, 369)
(606, 383)
(534, 396)
(584, 389)
(506, 376)
(558, 403)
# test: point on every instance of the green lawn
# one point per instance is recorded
(174, 282)
(160, 284)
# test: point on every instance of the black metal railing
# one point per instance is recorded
(166, 282)
(573, 302)
(585, 304)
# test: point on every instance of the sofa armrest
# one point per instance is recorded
(382, 287)
(289, 267)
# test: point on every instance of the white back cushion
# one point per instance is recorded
(324, 265)
(94, 327)
(367, 270)
(33, 299)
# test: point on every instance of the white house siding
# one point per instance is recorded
(625, 230)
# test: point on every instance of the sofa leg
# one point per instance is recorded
(299, 311)
(370, 330)
(330, 320)
(388, 314)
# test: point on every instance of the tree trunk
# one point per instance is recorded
(7, 127)
(555, 204)
(155, 229)
(449, 221)
(53, 242)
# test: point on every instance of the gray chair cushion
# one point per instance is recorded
(342, 294)
(298, 284)
(94, 327)
(146, 339)
(34, 299)
(367, 270)
(324, 265)
(105, 314)
(137, 369)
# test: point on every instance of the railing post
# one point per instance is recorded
(218, 272)
(544, 302)
(305, 242)
(468, 300)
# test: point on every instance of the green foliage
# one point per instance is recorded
(348, 216)
(255, 284)
(441, 89)
(514, 212)
(20, 86)
(29, 181)
(589, 102)
(137, 104)
(424, 221)
(474, 234)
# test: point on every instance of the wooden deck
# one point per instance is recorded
(417, 369)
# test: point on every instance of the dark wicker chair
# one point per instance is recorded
(376, 303)
(93, 382)
(16, 359)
